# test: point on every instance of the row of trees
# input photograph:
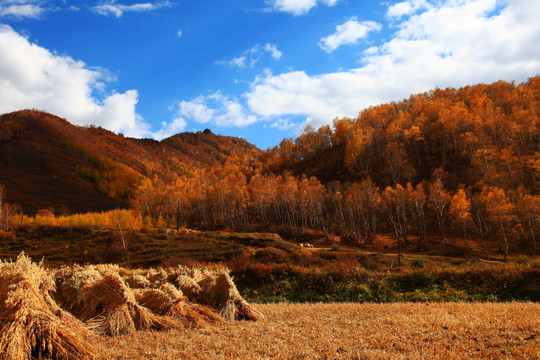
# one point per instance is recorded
(357, 212)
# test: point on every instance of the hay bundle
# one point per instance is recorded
(187, 279)
(219, 291)
(69, 281)
(157, 277)
(169, 301)
(188, 286)
(32, 324)
(138, 281)
(108, 305)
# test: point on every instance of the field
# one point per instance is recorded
(329, 301)
(351, 331)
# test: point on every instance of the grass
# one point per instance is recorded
(269, 268)
(351, 282)
(351, 331)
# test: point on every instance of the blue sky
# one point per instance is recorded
(259, 69)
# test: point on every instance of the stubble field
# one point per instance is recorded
(350, 331)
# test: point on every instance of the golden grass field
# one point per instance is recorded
(350, 331)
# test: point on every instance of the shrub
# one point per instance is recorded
(522, 260)
(418, 262)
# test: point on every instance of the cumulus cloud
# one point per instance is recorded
(34, 77)
(348, 33)
(405, 8)
(22, 8)
(251, 57)
(446, 43)
(216, 108)
(115, 9)
(298, 7)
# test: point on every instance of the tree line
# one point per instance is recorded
(356, 212)
(455, 163)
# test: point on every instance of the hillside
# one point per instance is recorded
(485, 134)
(49, 163)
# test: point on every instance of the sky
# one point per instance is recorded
(257, 69)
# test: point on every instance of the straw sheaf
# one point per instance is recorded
(69, 282)
(219, 291)
(109, 307)
(169, 301)
(136, 281)
(189, 287)
(33, 326)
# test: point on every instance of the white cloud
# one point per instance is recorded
(217, 109)
(447, 43)
(179, 33)
(22, 8)
(33, 77)
(251, 57)
(283, 124)
(348, 33)
(112, 8)
(405, 8)
(273, 50)
(298, 7)
(239, 62)
(169, 129)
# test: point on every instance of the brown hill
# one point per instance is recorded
(47, 162)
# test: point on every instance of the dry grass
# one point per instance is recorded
(352, 331)
(32, 325)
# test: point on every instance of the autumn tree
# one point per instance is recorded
(394, 202)
(359, 152)
(438, 202)
(363, 200)
(396, 158)
(460, 212)
(501, 214)
(417, 205)
(528, 212)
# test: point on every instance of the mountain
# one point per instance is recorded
(48, 162)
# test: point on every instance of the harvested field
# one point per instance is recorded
(351, 331)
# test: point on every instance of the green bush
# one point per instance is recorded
(522, 260)
(418, 262)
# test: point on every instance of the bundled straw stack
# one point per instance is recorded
(216, 288)
(32, 324)
(99, 296)
(167, 300)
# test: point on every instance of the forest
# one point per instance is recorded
(443, 165)
(450, 163)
